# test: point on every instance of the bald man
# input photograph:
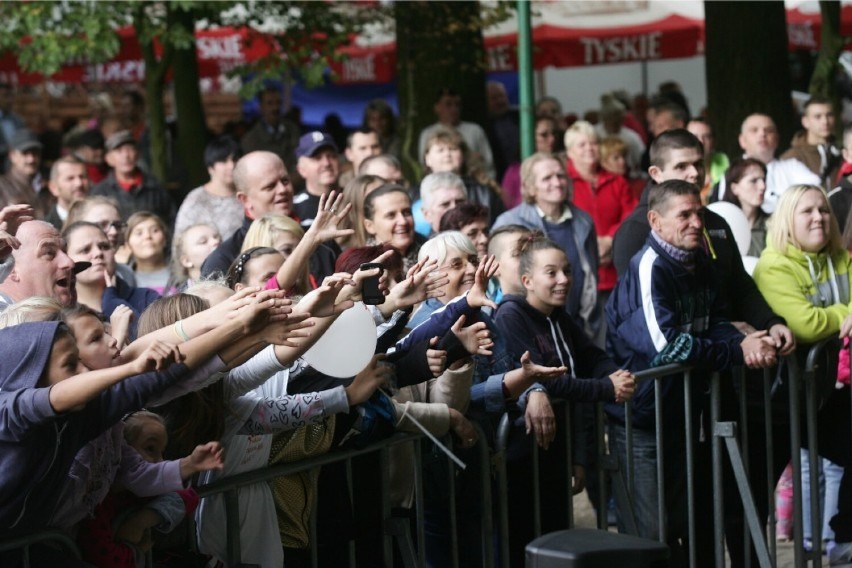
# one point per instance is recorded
(263, 186)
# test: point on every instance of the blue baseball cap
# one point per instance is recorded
(313, 141)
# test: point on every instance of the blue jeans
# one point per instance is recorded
(644, 491)
(829, 484)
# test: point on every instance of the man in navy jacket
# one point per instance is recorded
(666, 308)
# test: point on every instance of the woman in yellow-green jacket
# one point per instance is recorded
(804, 275)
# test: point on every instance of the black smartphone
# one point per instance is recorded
(370, 293)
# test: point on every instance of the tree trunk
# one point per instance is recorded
(191, 124)
(823, 80)
(155, 80)
(747, 69)
(439, 44)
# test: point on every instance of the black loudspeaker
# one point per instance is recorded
(590, 548)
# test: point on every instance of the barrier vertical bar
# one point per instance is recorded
(569, 461)
(690, 463)
(313, 521)
(232, 531)
(602, 476)
(502, 486)
(718, 488)
(451, 474)
(418, 502)
(487, 501)
(384, 467)
(536, 496)
(628, 445)
(813, 462)
(796, 460)
(348, 468)
(661, 484)
(770, 460)
(744, 444)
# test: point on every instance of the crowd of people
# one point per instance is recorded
(150, 346)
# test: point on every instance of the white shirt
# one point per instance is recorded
(780, 175)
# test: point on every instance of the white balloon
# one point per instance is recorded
(749, 262)
(347, 346)
(737, 221)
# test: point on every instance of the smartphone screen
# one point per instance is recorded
(370, 292)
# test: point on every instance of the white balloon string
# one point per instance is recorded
(429, 435)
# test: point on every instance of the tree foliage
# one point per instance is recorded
(305, 37)
(439, 44)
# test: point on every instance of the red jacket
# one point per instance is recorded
(609, 204)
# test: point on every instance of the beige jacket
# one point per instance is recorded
(428, 403)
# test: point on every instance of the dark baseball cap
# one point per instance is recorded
(313, 141)
(23, 140)
(119, 139)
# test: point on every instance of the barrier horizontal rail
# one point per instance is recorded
(797, 377)
(803, 387)
(24, 542)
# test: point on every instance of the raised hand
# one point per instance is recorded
(476, 338)
(12, 216)
(436, 358)
(623, 383)
(421, 282)
(330, 213)
(158, 356)
(203, 458)
(8, 243)
(324, 302)
(368, 380)
(290, 332)
(265, 307)
(538, 372)
(477, 296)
(119, 324)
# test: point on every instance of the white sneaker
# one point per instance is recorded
(841, 555)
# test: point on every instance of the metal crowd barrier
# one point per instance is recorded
(55, 537)
(728, 437)
(230, 486)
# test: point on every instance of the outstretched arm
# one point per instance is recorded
(330, 213)
(75, 392)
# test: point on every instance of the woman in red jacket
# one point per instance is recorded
(603, 195)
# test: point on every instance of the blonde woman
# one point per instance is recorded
(804, 275)
(283, 234)
(307, 258)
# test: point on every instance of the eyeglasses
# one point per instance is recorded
(458, 263)
(117, 225)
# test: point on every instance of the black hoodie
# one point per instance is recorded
(553, 341)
